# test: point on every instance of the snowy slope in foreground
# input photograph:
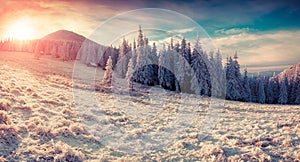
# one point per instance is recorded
(39, 121)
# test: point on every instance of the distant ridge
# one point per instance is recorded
(62, 44)
(292, 73)
(264, 73)
(64, 35)
(68, 45)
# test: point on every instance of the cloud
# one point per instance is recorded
(225, 21)
(182, 31)
(232, 31)
(84, 16)
(78, 16)
(157, 24)
(263, 50)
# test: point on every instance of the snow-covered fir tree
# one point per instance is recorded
(238, 75)
(154, 65)
(292, 93)
(146, 64)
(134, 55)
(261, 90)
(161, 64)
(276, 89)
(180, 69)
(231, 92)
(165, 76)
(171, 70)
(247, 95)
(266, 82)
(182, 48)
(176, 47)
(144, 69)
(200, 82)
(269, 92)
(297, 99)
(234, 88)
(216, 74)
(107, 78)
(124, 56)
(283, 95)
(220, 86)
(129, 74)
(213, 73)
(188, 53)
(252, 81)
(114, 56)
(140, 40)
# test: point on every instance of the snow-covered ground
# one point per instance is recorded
(42, 117)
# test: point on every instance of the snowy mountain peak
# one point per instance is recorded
(64, 35)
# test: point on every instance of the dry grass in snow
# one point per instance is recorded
(40, 121)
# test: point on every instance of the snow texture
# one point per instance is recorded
(40, 121)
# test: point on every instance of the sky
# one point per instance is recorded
(266, 34)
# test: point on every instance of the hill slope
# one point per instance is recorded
(68, 45)
(64, 35)
(39, 120)
(292, 73)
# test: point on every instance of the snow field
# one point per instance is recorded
(39, 120)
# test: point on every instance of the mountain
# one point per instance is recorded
(263, 73)
(64, 35)
(68, 45)
(292, 73)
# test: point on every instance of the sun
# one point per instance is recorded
(21, 30)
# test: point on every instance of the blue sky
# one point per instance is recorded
(266, 34)
(215, 15)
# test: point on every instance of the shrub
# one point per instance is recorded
(52, 151)
(4, 105)
(9, 139)
(4, 118)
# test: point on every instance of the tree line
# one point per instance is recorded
(63, 49)
(182, 68)
(179, 67)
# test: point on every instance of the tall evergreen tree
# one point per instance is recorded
(234, 88)
(129, 74)
(238, 76)
(154, 64)
(261, 90)
(297, 99)
(188, 54)
(124, 56)
(161, 63)
(231, 92)
(140, 40)
(213, 74)
(182, 71)
(253, 89)
(134, 55)
(114, 56)
(201, 82)
(220, 86)
(275, 88)
(247, 94)
(107, 78)
(146, 65)
(183, 47)
(283, 94)
(177, 48)
(269, 92)
(172, 43)
(165, 76)
(292, 93)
